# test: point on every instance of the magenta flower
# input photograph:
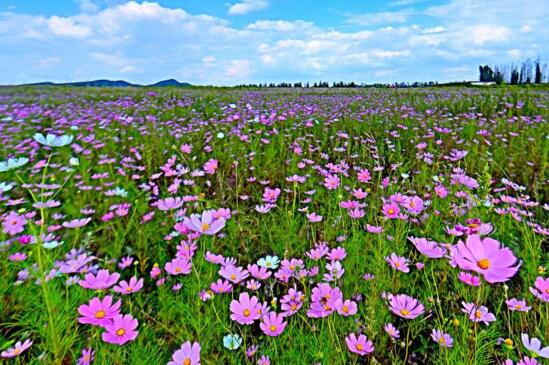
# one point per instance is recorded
(233, 273)
(478, 314)
(391, 210)
(486, 257)
(170, 203)
(259, 272)
(273, 324)
(121, 330)
(405, 306)
(86, 358)
(469, 278)
(188, 354)
(221, 286)
(443, 339)
(331, 182)
(517, 305)
(17, 350)
(245, 310)
(205, 224)
(99, 312)
(397, 262)
(359, 345)
(126, 288)
(346, 308)
(541, 289)
(14, 224)
(391, 331)
(528, 361)
(428, 248)
(534, 346)
(313, 217)
(77, 223)
(103, 280)
(178, 266)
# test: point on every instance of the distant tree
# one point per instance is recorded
(538, 77)
(485, 73)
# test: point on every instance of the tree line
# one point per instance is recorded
(526, 73)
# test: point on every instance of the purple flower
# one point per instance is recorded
(99, 312)
(188, 354)
(405, 306)
(103, 280)
(18, 349)
(359, 345)
(126, 288)
(443, 339)
(273, 324)
(121, 330)
(478, 314)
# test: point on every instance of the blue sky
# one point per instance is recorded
(243, 41)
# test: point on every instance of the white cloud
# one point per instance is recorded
(394, 17)
(149, 41)
(239, 68)
(246, 6)
(67, 27)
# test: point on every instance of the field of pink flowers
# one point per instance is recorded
(223, 226)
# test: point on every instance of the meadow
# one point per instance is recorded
(280, 226)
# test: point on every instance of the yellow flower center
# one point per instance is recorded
(391, 211)
(129, 288)
(508, 342)
(233, 277)
(120, 332)
(272, 328)
(483, 264)
(100, 314)
(478, 314)
(247, 313)
(16, 351)
(404, 312)
(187, 361)
(294, 307)
(345, 309)
(205, 226)
(441, 340)
(178, 269)
(359, 347)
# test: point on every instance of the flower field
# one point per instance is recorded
(241, 226)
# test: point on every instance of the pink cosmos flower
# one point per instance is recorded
(398, 263)
(178, 266)
(331, 182)
(99, 312)
(517, 305)
(314, 218)
(17, 350)
(233, 273)
(534, 346)
(323, 300)
(405, 306)
(443, 339)
(121, 330)
(14, 224)
(541, 289)
(391, 210)
(205, 224)
(259, 272)
(359, 345)
(391, 331)
(346, 308)
(364, 176)
(477, 314)
(221, 286)
(169, 203)
(188, 354)
(273, 324)
(486, 257)
(245, 310)
(528, 361)
(428, 248)
(126, 288)
(77, 223)
(468, 278)
(211, 166)
(374, 229)
(103, 280)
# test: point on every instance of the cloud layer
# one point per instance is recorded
(145, 42)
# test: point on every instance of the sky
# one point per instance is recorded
(255, 41)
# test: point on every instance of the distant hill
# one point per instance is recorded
(111, 83)
(170, 82)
